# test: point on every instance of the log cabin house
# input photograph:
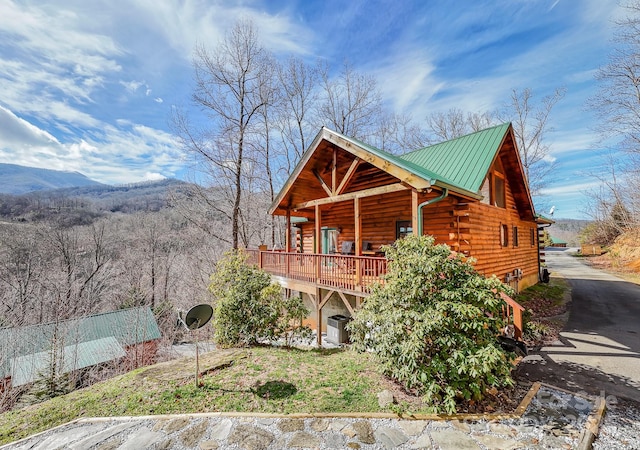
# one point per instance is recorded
(345, 199)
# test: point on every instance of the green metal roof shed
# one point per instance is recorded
(106, 334)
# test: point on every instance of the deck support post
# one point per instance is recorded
(319, 306)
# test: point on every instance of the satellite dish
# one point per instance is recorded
(198, 316)
(552, 210)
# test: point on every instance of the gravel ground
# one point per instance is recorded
(620, 428)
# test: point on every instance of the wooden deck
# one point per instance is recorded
(346, 273)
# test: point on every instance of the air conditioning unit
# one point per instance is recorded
(336, 331)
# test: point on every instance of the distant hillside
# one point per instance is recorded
(83, 205)
(15, 179)
(147, 195)
(568, 230)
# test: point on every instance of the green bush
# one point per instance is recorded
(433, 325)
(249, 308)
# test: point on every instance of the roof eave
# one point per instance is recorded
(458, 190)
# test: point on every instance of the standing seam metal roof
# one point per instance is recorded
(127, 326)
(464, 160)
(460, 164)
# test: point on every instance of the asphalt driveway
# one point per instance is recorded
(599, 347)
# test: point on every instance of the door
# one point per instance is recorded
(329, 240)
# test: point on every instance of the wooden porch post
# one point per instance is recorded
(358, 232)
(414, 211)
(317, 218)
(318, 243)
(287, 237)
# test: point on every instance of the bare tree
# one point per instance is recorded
(454, 123)
(618, 99)
(616, 205)
(228, 91)
(613, 204)
(530, 125)
(21, 267)
(398, 133)
(352, 103)
(299, 85)
(447, 125)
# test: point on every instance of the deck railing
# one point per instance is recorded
(347, 272)
(512, 311)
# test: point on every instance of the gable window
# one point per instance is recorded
(515, 236)
(493, 190)
(504, 235)
(498, 191)
(485, 191)
(403, 228)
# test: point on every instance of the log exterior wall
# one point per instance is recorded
(467, 226)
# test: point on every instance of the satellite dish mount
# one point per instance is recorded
(196, 318)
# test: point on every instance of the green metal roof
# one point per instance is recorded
(28, 368)
(126, 326)
(463, 161)
(460, 164)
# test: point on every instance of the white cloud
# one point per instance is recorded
(116, 155)
(407, 80)
(570, 189)
(158, 100)
(151, 176)
(18, 132)
(133, 85)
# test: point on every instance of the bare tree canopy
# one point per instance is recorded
(615, 205)
(352, 104)
(299, 83)
(618, 99)
(530, 122)
(454, 123)
(230, 91)
(398, 133)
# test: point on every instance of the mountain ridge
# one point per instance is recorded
(16, 179)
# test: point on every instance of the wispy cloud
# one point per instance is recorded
(17, 131)
(93, 95)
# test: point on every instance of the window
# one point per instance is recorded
(533, 237)
(504, 235)
(485, 191)
(493, 190)
(329, 240)
(403, 228)
(498, 192)
(515, 236)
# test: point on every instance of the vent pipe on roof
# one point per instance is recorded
(445, 194)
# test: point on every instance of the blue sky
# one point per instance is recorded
(89, 86)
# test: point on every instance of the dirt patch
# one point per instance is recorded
(622, 258)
